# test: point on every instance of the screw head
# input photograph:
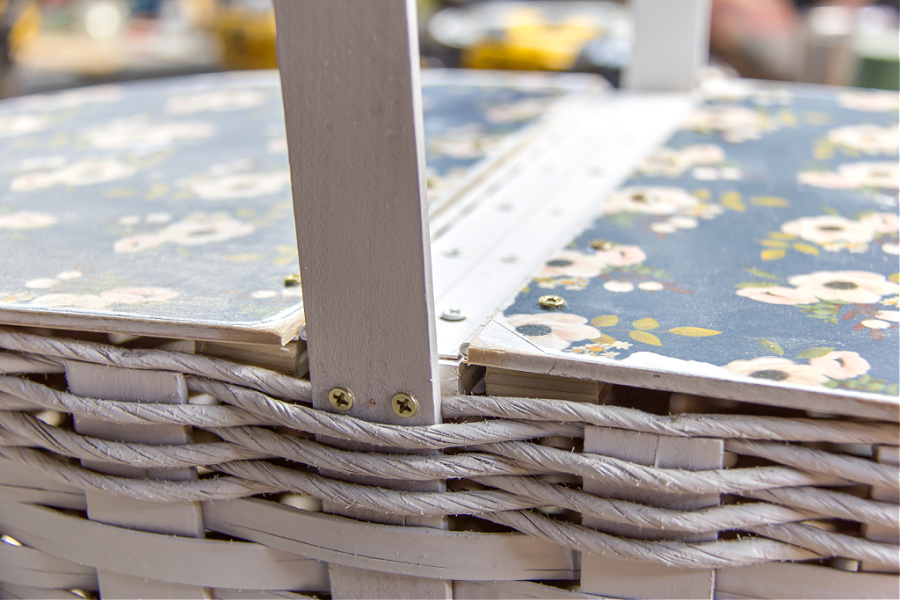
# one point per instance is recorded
(341, 398)
(453, 314)
(551, 302)
(602, 244)
(292, 280)
(404, 404)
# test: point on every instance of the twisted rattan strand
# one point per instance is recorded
(690, 555)
(818, 461)
(270, 382)
(250, 443)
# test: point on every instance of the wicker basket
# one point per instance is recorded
(150, 465)
(258, 489)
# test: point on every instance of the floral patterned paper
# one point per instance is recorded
(761, 242)
(170, 201)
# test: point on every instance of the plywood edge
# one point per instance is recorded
(497, 346)
(278, 330)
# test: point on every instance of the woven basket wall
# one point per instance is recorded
(812, 490)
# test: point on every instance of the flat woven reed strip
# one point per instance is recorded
(254, 443)
(805, 544)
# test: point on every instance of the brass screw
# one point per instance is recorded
(551, 302)
(602, 244)
(292, 280)
(341, 398)
(404, 404)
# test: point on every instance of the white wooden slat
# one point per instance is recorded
(352, 99)
(549, 194)
(350, 82)
(671, 41)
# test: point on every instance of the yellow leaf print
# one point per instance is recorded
(243, 258)
(778, 235)
(732, 200)
(605, 321)
(895, 278)
(644, 337)
(823, 150)
(644, 324)
(694, 331)
(773, 243)
(788, 117)
(119, 193)
(806, 248)
(769, 201)
(604, 339)
(772, 254)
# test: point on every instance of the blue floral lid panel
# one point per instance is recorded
(760, 244)
(167, 204)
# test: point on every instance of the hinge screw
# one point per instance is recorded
(292, 280)
(551, 302)
(602, 244)
(341, 398)
(404, 404)
(453, 314)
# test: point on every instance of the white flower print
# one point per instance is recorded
(844, 286)
(867, 138)
(735, 123)
(27, 220)
(15, 125)
(552, 331)
(649, 200)
(139, 133)
(233, 186)
(215, 101)
(854, 176)
(89, 171)
(829, 229)
(777, 369)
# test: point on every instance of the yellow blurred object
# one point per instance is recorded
(246, 37)
(25, 26)
(201, 14)
(529, 42)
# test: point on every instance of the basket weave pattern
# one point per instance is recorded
(265, 439)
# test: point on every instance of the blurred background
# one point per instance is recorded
(56, 44)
